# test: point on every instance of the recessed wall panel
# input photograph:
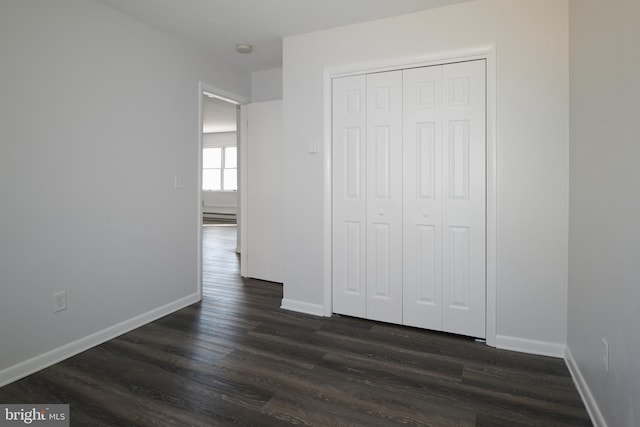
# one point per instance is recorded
(382, 240)
(459, 92)
(425, 158)
(353, 231)
(426, 256)
(352, 164)
(459, 159)
(459, 267)
(382, 161)
(352, 103)
(426, 98)
(382, 98)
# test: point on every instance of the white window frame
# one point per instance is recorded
(222, 168)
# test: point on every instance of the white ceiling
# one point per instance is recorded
(215, 26)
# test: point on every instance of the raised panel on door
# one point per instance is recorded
(349, 196)
(384, 196)
(422, 197)
(463, 175)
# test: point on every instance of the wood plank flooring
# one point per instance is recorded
(236, 358)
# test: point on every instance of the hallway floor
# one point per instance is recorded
(236, 358)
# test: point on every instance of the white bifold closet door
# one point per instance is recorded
(384, 197)
(409, 197)
(349, 196)
(367, 232)
(444, 234)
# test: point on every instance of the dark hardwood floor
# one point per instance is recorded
(236, 358)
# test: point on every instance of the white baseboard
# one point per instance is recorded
(542, 348)
(302, 307)
(28, 367)
(585, 392)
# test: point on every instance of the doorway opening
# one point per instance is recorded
(219, 160)
(218, 184)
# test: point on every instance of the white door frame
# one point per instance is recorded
(487, 53)
(232, 98)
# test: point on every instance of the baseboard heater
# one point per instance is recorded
(220, 216)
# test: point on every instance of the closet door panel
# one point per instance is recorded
(464, 233)
(422, 197)
(349, 196)
(384, 196)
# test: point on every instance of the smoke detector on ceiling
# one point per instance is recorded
(244, 48)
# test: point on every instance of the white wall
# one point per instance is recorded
(531, 40)
(266, 85)
(219, 201)
(604, 237)
(98, 113)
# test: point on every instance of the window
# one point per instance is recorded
(220, 169)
